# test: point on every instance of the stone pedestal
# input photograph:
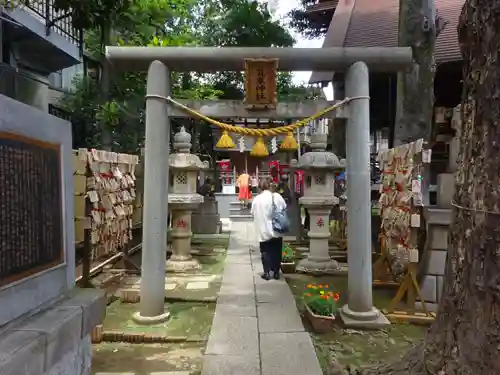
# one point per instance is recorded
(181, 259)
(369, 318)
(206, 219)
(319, 167)
(318, 260)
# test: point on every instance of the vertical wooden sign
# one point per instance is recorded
(260, 83)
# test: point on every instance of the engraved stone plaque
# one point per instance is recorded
(31, 228)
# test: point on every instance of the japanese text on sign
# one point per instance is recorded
(261, 85)
(31, 213)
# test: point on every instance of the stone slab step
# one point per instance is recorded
(241, 212)
(215, 236)
(151, 373)
(236, 204)
(288, 353)
(241, 218)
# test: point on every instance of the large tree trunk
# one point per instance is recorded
(415, 88)
(465, 338)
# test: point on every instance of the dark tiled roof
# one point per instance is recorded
(374, 23)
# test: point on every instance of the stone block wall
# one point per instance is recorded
(55, 341)
(438, 223)
(77, 361)
(438, 220)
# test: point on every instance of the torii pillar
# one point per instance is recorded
(155, 207)
(359, 311)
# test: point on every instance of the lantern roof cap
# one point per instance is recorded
(185, 162)
(318, 158)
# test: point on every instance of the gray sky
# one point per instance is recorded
(281, 8)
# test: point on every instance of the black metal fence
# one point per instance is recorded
(58, 21)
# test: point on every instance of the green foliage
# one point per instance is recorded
(288, 91)
(321, 300)
(89, 13)
(241, 23)
(287, 254)
(300, 21)
(83, 108)
(166, 23)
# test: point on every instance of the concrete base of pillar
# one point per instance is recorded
(373, 319)
(182, 265)
(318, 268)
(150, 320)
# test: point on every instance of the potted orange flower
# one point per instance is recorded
(287, 259)
(321, 305)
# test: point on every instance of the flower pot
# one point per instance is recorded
(288, 267)
(320, 324)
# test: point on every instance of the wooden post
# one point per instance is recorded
(87, 236)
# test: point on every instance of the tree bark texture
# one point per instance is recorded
(465, 338)
(415, 87)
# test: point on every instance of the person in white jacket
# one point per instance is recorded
(270, 242)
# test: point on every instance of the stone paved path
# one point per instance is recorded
(257, 329)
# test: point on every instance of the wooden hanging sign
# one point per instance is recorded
(260, 83)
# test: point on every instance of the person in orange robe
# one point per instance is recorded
(244, 193)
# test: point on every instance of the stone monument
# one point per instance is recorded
(319, 168)
(45, 321)
(206, 219)
(182, 201)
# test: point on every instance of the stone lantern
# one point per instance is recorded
(319, 171)
(182, 201)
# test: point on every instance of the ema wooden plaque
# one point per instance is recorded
(260, 83)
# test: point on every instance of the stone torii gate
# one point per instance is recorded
(161, 61)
